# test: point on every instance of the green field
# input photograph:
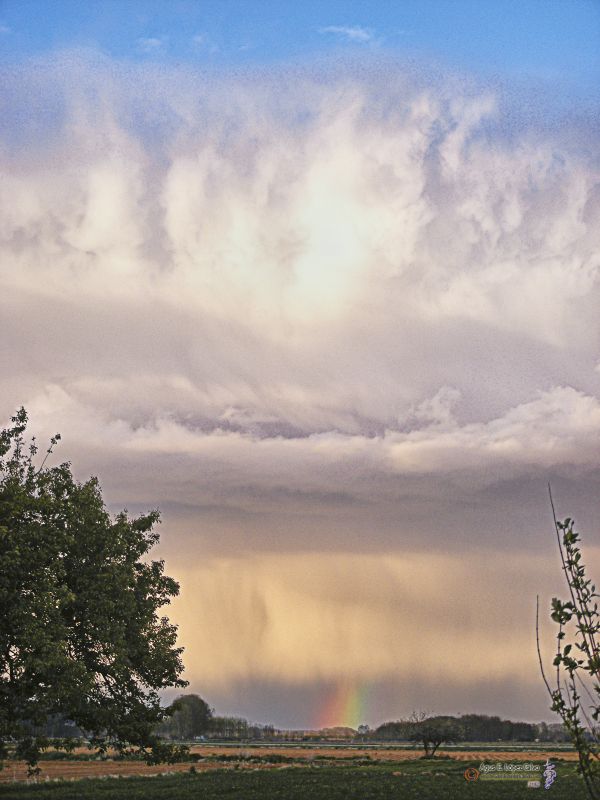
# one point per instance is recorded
(440, 779)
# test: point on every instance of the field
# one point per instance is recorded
(286, 773)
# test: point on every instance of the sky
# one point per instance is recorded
(321, 281)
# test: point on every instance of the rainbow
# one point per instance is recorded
(346, 706)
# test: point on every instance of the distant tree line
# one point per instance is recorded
(239, 728)
(190, 717)
(472, 728)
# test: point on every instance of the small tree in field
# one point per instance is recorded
(431, 732)
(80, 630)
(576, 693)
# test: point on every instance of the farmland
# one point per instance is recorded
(285, 773)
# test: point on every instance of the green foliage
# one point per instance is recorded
(167, 752)
(189, 716)
(80, 633)
(576, 695)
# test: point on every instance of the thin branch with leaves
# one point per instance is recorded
(577, 659)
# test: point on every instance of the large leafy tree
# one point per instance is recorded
(80, 629)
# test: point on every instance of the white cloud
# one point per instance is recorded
(150, 44)
(353, 33)
(4, 28)
(204, 42)
(331, 295)
(559, 428)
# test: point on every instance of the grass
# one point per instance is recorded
(438, 779)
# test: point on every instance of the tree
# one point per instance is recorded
(80, 632)
(363, 732)
(394, 730)
(433, 731)
(229, 728)
(577, 660)
(190, 716)
(482, 728)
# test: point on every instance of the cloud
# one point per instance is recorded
(353, 33)
(374, 268)
(150, 44)
(558, 428)
(204, 42)
(5, 28)
(342, 316)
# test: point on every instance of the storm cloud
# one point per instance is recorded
(314, 313)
